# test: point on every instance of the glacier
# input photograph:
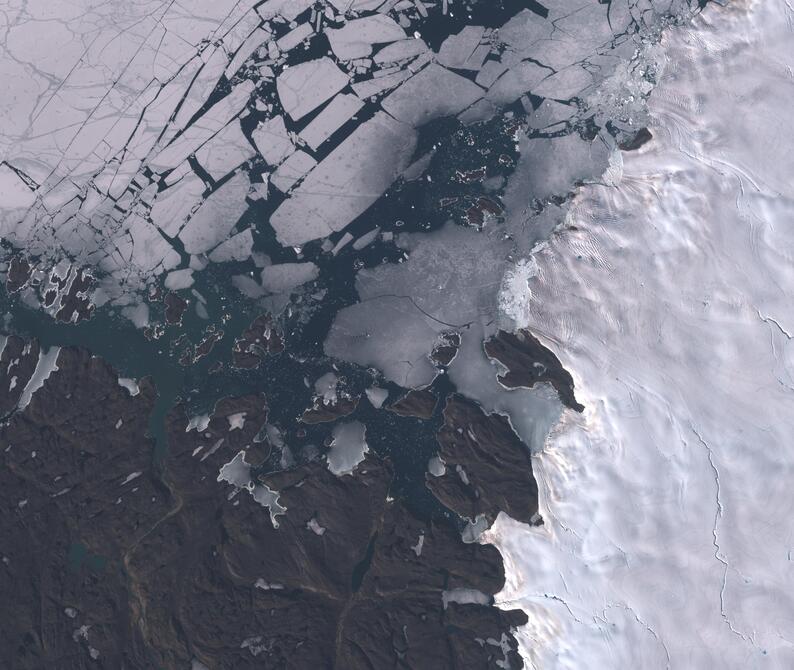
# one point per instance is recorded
(668, 531)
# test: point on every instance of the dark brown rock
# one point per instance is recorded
(115, 558)
(260, 339)
(325, 412)
(418, 403)
(75, 305)
(446, 348)
(17, 364)
(488, 467)
(18, 274)
(175, 307)
(642, 136)
(528, 362)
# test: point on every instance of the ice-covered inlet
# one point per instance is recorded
(669, 517)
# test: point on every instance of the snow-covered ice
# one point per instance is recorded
(668, 531)
(348, 448)
(304, 87)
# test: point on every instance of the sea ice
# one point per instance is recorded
(304, 87)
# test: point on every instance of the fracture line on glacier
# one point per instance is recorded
(715, 538)
(769, 319)
(544, 596)
(642, 622)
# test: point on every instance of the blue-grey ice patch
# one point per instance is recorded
(236, 248)
(237, 472)
(130, 384)
(179, 279)
(45, 366)
(326, 387)
(285, 277)
(376, 396)
(464, 597)
(348, 448)
(450, 280)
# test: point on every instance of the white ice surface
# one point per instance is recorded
(304, 87)
(356, 37)
(348, 448)
(328, 121)
(46, 365)
(376, 396)
(346, 182)
(284, 277)
(669, 519)
(216, 217)
(130, 384)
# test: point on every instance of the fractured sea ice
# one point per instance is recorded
(304, 87)
(356, 37)
(346, 182)
(217, 216)
(236, 248)
(430, 94)
(463, 50)
(226, 151)
(272, 140)
(340, 110)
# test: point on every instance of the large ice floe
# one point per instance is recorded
(668, 530)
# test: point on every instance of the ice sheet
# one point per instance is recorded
(668, 513)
